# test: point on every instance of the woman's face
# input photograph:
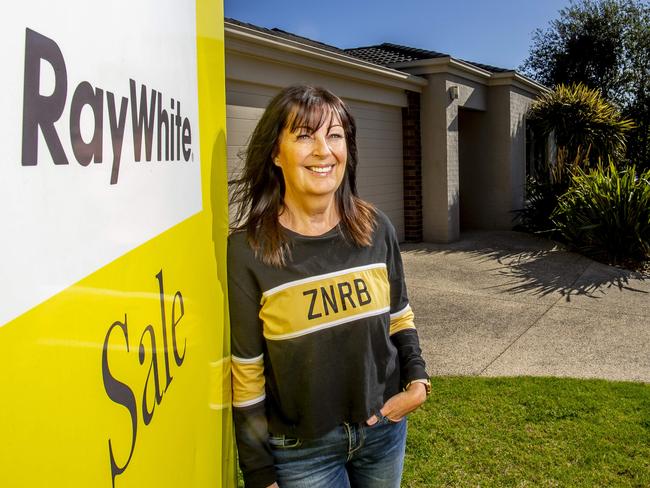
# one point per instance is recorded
(313, 163)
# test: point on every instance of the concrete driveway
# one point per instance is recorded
(508, 303)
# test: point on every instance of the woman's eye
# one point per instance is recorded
(336, 135)
(302, 137)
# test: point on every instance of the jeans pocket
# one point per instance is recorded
(383, 420)
(284, 442)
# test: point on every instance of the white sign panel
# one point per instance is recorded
(100, 142)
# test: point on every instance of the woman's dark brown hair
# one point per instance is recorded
(258, 194)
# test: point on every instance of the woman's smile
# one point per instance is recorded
(323, 170)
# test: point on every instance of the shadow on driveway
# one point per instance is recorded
(536, 266)
(508, 303)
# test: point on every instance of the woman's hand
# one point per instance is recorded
(401, 404)
(274, 485)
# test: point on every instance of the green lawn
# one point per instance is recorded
(530, 432)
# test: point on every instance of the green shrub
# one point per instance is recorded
(605, 214)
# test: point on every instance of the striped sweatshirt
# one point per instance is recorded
(326, 339)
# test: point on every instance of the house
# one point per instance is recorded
(442, 141)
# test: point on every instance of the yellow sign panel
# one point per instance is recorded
(122, 378)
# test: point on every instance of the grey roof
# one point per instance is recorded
(388, 54)
(384, 54)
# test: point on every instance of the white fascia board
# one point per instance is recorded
(252, 42)
(515, 79)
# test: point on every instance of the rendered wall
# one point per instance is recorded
(439, 118)
(473, 156)
(507, 156)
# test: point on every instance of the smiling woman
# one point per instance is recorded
(302, 132)
(325, 356)
(313, 162)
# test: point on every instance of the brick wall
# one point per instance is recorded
(412, 168)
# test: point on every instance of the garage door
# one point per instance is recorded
(379, 141)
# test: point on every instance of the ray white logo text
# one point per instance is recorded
(153, 117)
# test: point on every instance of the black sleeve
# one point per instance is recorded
(255, 458)
(402, 326)
(247, 359)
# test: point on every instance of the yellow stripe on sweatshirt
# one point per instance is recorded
(306, 306)
(402, 320)
(247, 381)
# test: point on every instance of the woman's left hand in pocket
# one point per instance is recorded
(402, 404)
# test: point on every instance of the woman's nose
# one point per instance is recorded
(321, 146)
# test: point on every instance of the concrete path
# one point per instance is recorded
(507, 303)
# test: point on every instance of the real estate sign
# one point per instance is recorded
(113, 338)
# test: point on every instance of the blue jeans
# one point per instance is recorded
(352, 455)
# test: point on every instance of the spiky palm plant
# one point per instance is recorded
(587, 129)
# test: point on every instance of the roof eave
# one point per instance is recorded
(516, 79)
(346, 63)
(444, 64)
(450, 65)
